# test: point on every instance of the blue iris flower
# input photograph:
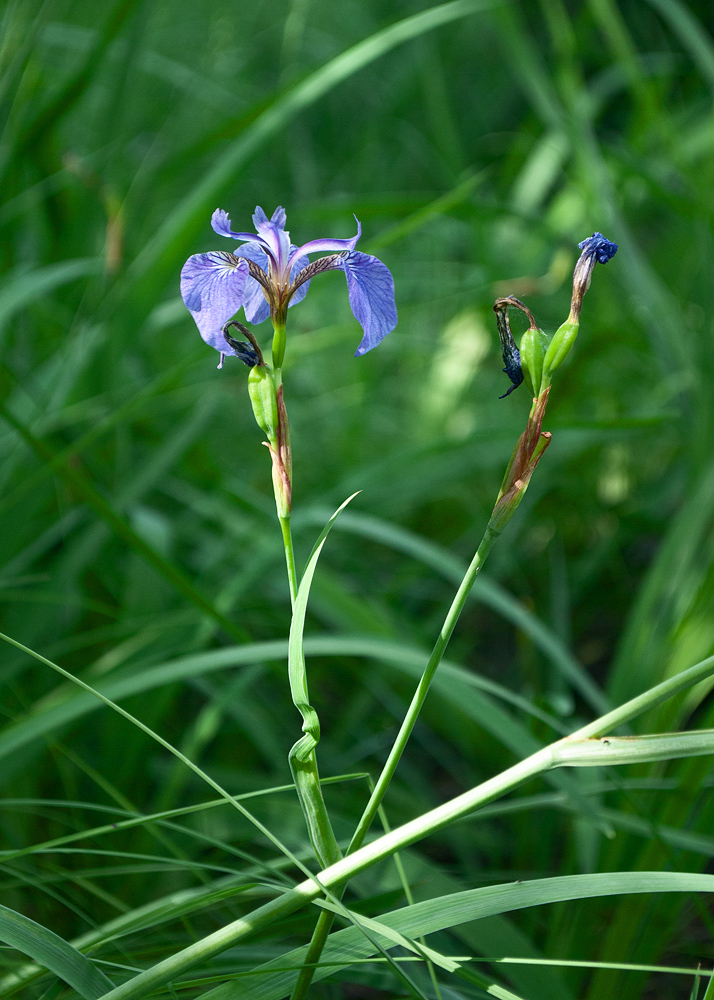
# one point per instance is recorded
(266, 274)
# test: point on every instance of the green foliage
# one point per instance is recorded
(478, 142)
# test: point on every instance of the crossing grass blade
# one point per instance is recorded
(443, 913)
(52, 952)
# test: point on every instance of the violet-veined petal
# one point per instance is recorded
(213, 288)
(371, 290)
(221, 224)
(255, 252)
(256, 305)
(261, 219)
(328, 245)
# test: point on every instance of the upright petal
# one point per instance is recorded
(221, 224)
(278, 217)
(213, 287)
(328, 245)
(272, 233)
(371, 290)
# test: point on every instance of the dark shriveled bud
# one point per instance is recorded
(596, 249)
(249, 354)
(511, 354)
(528, 362)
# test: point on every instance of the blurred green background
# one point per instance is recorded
(478, 143)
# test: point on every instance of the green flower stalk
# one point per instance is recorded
(266, 275)
(529, 364)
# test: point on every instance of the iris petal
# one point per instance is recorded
(272, 233)
(213, 287)
(221, 224)
(328, 245)
(371, 290)
(255, 304)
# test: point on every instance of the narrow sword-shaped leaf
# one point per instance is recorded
(54, 953)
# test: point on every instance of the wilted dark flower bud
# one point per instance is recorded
(511, 354)
(596, 249)
(528, 362)
(250, 354)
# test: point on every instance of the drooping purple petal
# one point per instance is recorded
(213, 287)
(328, 245)
(221, 224)
(371, 290)
(272, 233)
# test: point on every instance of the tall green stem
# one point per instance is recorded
(302, 757)
(314, 951)
(422, 690)
(326, 918)
(289, 557)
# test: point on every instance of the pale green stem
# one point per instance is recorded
(396, 840)
(305, 772)
(309, 790)
(278, 354)
(279, 342)
(422, 690)
(314, 951)
(289, 557)
(324, 926)
(324, 922)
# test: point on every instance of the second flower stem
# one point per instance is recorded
(422, 690)
(289, 557)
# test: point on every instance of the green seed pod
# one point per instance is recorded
(261, 389)
(534, 346)
(560, 347)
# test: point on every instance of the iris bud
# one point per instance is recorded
(261, 389)
(596, 249)
(560, 347)
(534, 345)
